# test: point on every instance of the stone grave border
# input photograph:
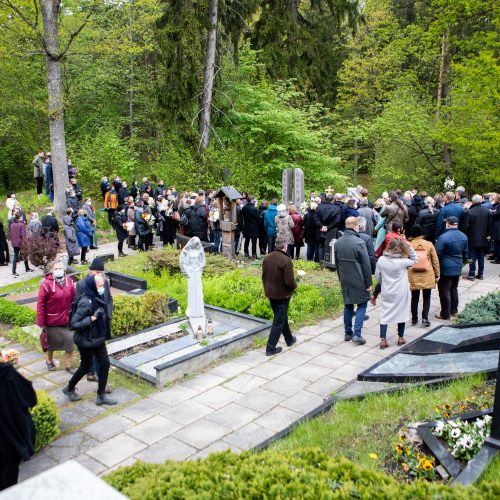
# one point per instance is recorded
(366, 376)
(182, 240)
(119, 281)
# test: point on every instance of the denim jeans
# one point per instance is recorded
(217, 238)
(280, 323)
(383, 330)
(476, 253)
(271, 241)
(358, 322)
(313, 252)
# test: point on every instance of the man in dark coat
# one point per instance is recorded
(451, 248)
(50, 226)
(327, 217)
(477, 229)
(355, 275)
(198, 219)
(17, 432)
(262, 228)
(368, 240)
(279, 284)
(450, 209)
(250, 216)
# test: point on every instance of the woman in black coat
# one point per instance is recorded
(250, 215)
(198, 219)
(4, 248)
(310, 234)
(91, 324)
(427, 219)
(119, 221)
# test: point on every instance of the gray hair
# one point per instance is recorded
(477, 198)
(363, 202)
(362, 223)
(281, 242)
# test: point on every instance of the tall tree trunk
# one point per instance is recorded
(131, 72)
(50, 13)
(208, 81)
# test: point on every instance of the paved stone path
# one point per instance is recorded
(236, 405)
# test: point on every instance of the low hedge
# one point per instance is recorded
(17, 315)
(305, 473)
(131, 313)
(46, 420)
(481, 310)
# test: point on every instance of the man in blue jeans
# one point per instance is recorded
(355, 276)
(279, 284)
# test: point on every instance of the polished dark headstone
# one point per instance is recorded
(126, 282)
(328, 260)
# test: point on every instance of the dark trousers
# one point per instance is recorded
(271, 242)
(86, 355)
(39, 185)
(448, 295)
(111, 215)
(120, 246)
(383, 330)
(280, 323)
(377, 289)
(321, 248)
(237, 237)
(9, 466)
(143, 242)
(497, 249)
(131, 241)
(415, 297)
(476, 253)
(254, 246)
(16, 259)
(313, 252)
(83, 253)
(263, 245)
(291, 248)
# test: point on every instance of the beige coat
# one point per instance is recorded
(423, 280)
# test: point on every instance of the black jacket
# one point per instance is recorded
(250, 217)
(17, 432)
(477, 225)
(49, 224)
(329, 215)
(118, 220)
(310, 229)
(427, 220)
(81, 322)
(198, 221)
(262, 227)
(495, 221)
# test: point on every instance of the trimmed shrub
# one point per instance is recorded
(46, 420)
(12, 313)
(481, 310)
(304, 473)
(131, 314)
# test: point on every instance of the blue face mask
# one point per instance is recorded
(100, 290)
(58, 274)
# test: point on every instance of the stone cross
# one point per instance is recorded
(329, 190)
(192, 261)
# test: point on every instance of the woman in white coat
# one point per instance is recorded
(392, 274)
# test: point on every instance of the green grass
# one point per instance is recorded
(354, 429)
(118, 378)
(22, 287)
(17, 334)
(492, 473)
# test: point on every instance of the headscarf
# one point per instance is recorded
(90, 291)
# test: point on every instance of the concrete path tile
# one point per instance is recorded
(292, 358)
(330, 360)
(166, 449)
(217, 397)
(302, 402)
(187, 412)
(347, 372)
(325, 386)
(233, 416)
(330, 338)
(213, 448)
(143, 410)
(90, 464)
(245, 383)
(312, 348)
(174, 395)
(365, 360)
(228, 370)
(104, 429)
(313, 329)
(123, 395)
(285, 385)
(309, 372)
(251, 358)
(201, 433)
(38, 464)
(71, 418)
(350, 349)
(128, 461)
(116, 449)
(40, 383)
(278, 418)
(268, 370)
(152, 430)
(203, 382)
(261, 400)
(249, 436)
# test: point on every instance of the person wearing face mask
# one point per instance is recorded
(52, 313)
(91, 323)
(90, 211)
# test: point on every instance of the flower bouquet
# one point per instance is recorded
(9, 356)
(449, 184)
(148, 218)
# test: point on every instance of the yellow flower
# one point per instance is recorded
(427, 465)
(473, 398)
(447, 407)
(401, 437)
(438, 409)
(420, 456)
(399, 449)
(373, 456)
(405, 467)
(408, 451)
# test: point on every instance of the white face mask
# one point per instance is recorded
(58, 274)
(100, 290)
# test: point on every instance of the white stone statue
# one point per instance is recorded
(192, 261)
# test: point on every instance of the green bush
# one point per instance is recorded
(131, 314)
(12, 313)
(481, 310)
(46, 420)
(304, 473)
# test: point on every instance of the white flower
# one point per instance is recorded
(487, 419)
(438, 430)
(455, 433)
(301, 273)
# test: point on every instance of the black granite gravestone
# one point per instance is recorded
(328, 259)
(126, 282)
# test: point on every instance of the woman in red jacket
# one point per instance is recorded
(53, 313)
(298, 239)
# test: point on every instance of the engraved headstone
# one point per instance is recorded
(192, 261)
(298, 188)
(286, 186)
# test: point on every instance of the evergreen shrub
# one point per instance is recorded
(46, 420)
(303, 473)
(131, 313)
(481, 310)
(17, 315)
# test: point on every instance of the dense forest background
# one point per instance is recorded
(406, 91)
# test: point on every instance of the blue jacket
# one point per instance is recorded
(269, 223)
(84, 232)
(450, 209)
(452, 251)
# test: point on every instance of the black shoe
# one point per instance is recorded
(495, 261)
(121, 254)
(294, 339)
(366, 317)
(470, 278)
(72, 395)
(414, 322)
(426, 323)
(480, 277)
(272, 352)
(30, 270)
(103, 399)
(347, 337)
(70, 370)
(358, 339)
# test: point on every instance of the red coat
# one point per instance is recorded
(298, 222)
(17, 234)
(54, 302)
